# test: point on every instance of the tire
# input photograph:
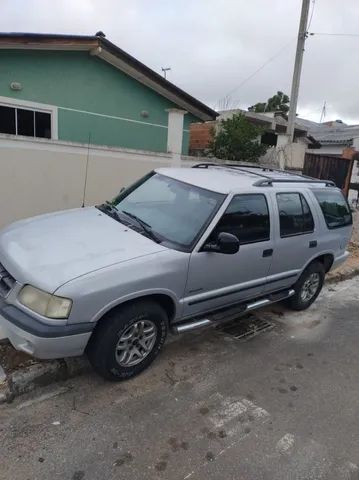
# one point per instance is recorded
(311, 279)
(118, 336)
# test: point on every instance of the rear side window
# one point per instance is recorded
(295, 217)
(335, 208)
(247, 218)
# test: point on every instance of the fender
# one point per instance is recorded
(315, 256)
(138, 295)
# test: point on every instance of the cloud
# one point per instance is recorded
(213, 46)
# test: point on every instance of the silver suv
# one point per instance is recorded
(179, 249)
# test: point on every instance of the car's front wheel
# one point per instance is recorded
(128, 339)
(307, 287)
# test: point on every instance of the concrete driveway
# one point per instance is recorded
(282, 405)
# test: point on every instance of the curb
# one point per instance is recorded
(36, 375)
(338, 276)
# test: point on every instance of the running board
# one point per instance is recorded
(241, 309)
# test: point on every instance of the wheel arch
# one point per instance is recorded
(326, 259)
(163, 298)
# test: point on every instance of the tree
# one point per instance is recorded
(277, 103)
(237, 139)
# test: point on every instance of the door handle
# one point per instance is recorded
(268, 252)
(313, 244)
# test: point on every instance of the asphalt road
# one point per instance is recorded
(282, 405)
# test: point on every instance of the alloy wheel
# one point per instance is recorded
(310, 287)
(136, 343)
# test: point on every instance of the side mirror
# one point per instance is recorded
(226, 243)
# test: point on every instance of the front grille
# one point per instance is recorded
(6, 281)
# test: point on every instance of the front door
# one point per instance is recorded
(216, 279)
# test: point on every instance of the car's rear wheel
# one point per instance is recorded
(307, 287)
(127, 340)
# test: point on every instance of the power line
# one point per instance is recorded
(335, 34)
(257, 71)
(226, 98)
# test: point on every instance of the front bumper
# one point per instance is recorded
(42, 340)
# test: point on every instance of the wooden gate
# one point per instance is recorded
(325, 167)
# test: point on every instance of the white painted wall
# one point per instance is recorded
(39, 176)
(289, 156)
(175, 134)
(328, 150)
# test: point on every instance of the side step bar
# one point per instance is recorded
(195, 324)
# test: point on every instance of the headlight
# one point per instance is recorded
(44, 303)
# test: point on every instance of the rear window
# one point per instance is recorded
(335, 208)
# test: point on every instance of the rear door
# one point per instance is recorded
(216, 279)
(296, 237)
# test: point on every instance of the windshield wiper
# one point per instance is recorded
(110, 210)
(147, 228)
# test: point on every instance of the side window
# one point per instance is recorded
(335, 208)
(247, 218)
(295, 217)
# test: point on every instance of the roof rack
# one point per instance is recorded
(237, 166)
(266, 180)
(270, 181)
(234, 165)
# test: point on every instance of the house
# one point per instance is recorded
(274, 125)
(85, 89)
(333, 136)
(334, 139)
(80, 119)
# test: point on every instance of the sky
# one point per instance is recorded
(214, 46)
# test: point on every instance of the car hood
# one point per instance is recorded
(50, 250)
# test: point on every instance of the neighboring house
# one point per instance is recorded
(273, 124)
(332, 139)
(332, 136)
(85, 89)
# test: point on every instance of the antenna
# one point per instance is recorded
(324, 111)
(87, 167)
(165, 70)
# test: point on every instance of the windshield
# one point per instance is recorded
(175, 211)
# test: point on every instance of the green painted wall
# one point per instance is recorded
(79, 81)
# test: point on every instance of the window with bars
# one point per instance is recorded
(24, 121)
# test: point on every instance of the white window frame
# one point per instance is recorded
(35, 106)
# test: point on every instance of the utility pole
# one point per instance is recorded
(302, 35)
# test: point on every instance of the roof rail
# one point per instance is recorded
(234, 165)
(269, 181)
(205, 165)
(240, 167)
(266, 180)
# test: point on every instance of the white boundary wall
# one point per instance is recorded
(40, 176)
